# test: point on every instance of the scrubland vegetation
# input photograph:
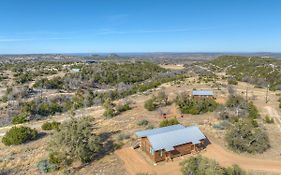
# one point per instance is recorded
(19, 135)
(50, 126)
(118, 79)
(190, 105)
(203, 166)
(169, 122)
(74, 140)
(262, 72)
(42, 90)
(244, 136)
(243, 131)
(160, 100)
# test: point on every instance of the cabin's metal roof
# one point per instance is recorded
(169, 138)
(202, 93)
(149, 132)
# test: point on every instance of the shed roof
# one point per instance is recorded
(169, 139)
(149, 132)
(202, 93)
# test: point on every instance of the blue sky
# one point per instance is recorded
(73, 26)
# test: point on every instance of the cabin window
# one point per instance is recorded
(161, 153)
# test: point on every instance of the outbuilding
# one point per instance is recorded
(202, 94)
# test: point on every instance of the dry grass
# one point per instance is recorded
(23, 159)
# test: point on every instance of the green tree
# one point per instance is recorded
(109, 108)
(189, 105)
(245, 137)
(253, 111)
(75, 141)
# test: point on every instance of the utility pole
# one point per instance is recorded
(266, 96)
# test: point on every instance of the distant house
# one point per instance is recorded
(202, 94)
(172, 141)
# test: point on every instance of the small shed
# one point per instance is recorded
(203, 94)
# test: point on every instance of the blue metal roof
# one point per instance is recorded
(149, 132)
(169, 139)
(202, 93)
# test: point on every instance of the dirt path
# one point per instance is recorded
(135, 163)
(227, 158)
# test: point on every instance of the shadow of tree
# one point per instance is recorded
(108, 147)
(4, 171)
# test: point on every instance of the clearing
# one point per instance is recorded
(135, 162)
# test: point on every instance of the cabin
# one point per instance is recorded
(202, 94)
(166, 143)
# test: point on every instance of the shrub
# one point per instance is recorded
(58, 158)
(253, 111)
(109, 108)
(20, 118)
(268, 119)
(222, 125)
(168, 122)
(149, 105)
(46, 109)
(149, 126)
(193, 106)
(122, 136)
(109, 113)
(19, 135)
(50, 125)
(234, 170)
(245, 137)
(236, 101)
(203, 166)
(44, 166)
(161, 99)
(55, 83)
(232, 81)
(237, 107)
(143, 122)
(112, 110)
(122, 108)
(75, 141)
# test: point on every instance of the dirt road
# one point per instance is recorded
(227, 158)
(135, 163)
